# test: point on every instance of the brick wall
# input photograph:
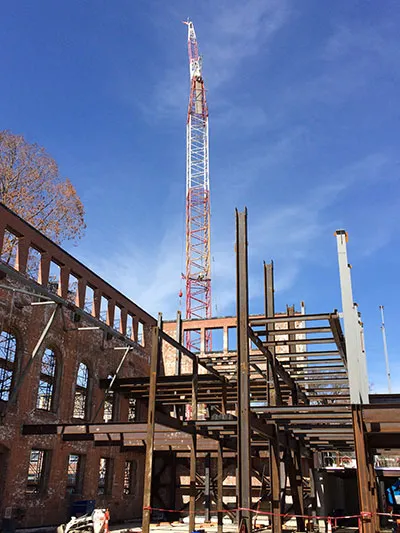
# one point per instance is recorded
(94, 347)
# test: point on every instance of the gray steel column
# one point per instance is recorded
(356, 359)
(243, 435)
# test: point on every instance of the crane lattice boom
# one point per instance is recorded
(198, 265)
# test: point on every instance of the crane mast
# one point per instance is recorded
(198, 264)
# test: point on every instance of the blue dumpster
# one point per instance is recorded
(81, 507)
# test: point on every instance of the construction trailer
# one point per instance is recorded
(126, 411)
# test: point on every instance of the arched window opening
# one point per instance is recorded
(45, 398)
(8, 350)
(81, 392)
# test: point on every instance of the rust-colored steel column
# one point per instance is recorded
(193, 450)
(220, 486)
(207, 488)
(313, 494)
(275, 480)
(366, 483)
(243, 401)
(148, 473)
(178, 353)
(179, 410)
(273, 398)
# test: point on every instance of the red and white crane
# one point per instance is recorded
(198, 258)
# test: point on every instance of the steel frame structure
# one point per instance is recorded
(274, 408)
(198, 259)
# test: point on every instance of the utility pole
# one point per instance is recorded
(385, 350)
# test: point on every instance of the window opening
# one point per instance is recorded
(36, 471)
(9, 249)
(103, 308)
(217, 336)
(117, 318)
(72, 288)
(81, 391)
(8, 349)
(54, 277)
(33, 263)
(192, 339)
(74, 473)
(129, 326)
(89, 300)
(129, 477)
(47, 380)
(232, 339)
(140, 334)
(104, 476)
(109, 401)
(132, 410)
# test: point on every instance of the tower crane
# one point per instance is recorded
(198, 264)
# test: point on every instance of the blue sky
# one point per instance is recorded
(304, 131)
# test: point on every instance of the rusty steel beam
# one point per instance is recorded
(261, 321)
(366, 483)
(274, 397)
(155, 350)
(382, 414)
(178, 352)
(242, 302)
(274, 393)
(307, 361)
(193, 450)
(220, 487)
(290, 331)
(275, 480)
(337, 333)
(207, 488)
(293, 342)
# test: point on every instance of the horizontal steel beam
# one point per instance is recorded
(292, 318)
(295, 342)
(293, 331)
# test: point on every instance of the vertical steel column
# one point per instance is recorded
(178, 356)
(273, 398)
(356, 360)
(275, 480)
(172, 496)
(207, 487)
(150, 430)
(366, 482)
(220, 486)
(179, 411)
(243, 436)
(313, 492)
(293, 471)
(193, 450)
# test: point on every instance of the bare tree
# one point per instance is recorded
(30, 185)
